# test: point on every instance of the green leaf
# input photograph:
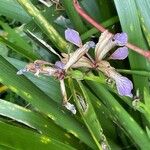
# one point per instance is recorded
(4, 147)
(121, 116)
(35, 121)
(11, 9)
(14, 39)
(144, 7)
(130, 24)
(45, 26)
(87, 113)
(19, 49)
(19, 138)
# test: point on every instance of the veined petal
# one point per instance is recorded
(120, 39)
(121, 53)
(82, 62)
(78, 54)
(73, 37)
(124, 86)
(59, 64)
(104, 45)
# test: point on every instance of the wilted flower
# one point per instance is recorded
(123, 84)
(70, 107)
(106, 42)
(73, 37)
(46, 68)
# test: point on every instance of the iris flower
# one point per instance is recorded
(106, 42)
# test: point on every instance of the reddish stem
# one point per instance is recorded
(102, 29)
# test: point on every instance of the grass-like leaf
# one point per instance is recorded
(27, 139)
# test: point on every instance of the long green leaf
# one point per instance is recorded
(144, 7)
(15, 39)
(128, 15)
(11, 9)
(45, 26)
(88, 115)
(121, 116)
(19, 138)
(36, 121)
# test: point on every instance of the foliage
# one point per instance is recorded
(31, 111)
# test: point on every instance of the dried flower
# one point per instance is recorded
(73, 37)
(123, 84)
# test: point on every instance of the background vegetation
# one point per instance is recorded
(31, 111)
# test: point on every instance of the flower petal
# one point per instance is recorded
(22, 71)
(124, 86)
(120, 39)
(59, 65)
(70, 107)
(121, 53)
(78, 54)
(73, 37)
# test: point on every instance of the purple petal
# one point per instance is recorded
(124, 86)
(121, 53)
(73, 37)
(22, 71)
(91, 44)
(120, 39)
(59, 65)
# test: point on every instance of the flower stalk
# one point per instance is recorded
(82, 13)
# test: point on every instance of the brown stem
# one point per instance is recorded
(102, 29)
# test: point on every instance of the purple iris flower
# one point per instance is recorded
(124, 86)
(121, 53)
(73, 37)
(120, 39)
(59, 65)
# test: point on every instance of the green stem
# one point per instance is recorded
(74, 16)
(106, 23)
(48, 29)
(135, 72)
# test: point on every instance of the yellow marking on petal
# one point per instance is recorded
(45, 139)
